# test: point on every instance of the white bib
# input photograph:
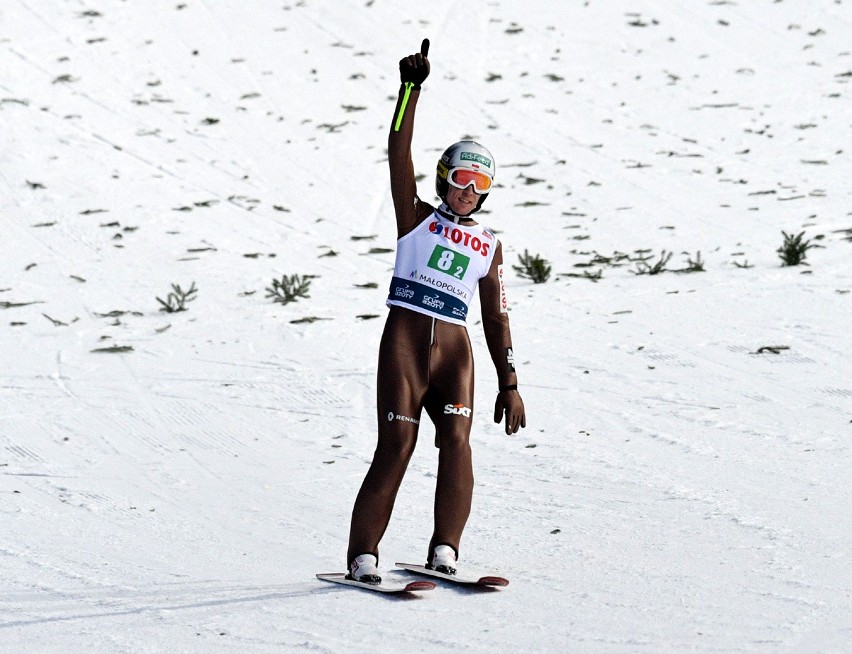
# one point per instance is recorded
(438, 265)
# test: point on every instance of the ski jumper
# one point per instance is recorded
(425, 357)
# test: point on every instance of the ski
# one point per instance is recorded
(487, 580)
(384, 587)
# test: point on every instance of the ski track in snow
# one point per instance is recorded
(683, 482)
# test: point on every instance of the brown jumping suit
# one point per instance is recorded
(425, 362)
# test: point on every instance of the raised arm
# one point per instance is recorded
(413, 71)
(495, 322)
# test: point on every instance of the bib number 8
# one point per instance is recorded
(445, 261)
(449, 261)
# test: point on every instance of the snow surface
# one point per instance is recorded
(679, 487)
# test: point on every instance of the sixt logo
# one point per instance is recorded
(478, 158)
(457, 410)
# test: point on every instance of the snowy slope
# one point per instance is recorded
(171, 482)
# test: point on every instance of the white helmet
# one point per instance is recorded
(466, 157)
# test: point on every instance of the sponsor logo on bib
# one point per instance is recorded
(460, 237)
(405, 293)
(433, 302)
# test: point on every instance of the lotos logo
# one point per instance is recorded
(457, 409)
(504, 302)
(478, 158)
(459, 237)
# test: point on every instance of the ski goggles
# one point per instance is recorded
(464, 177)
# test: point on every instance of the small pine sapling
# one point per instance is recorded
(693, 265)
(533, 267)
(289, 289)
(177, 299)
(642, 267)
(793, 251)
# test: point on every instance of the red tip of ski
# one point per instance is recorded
(493, 581)
(420, 585)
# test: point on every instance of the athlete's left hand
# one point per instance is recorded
(510, 405)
